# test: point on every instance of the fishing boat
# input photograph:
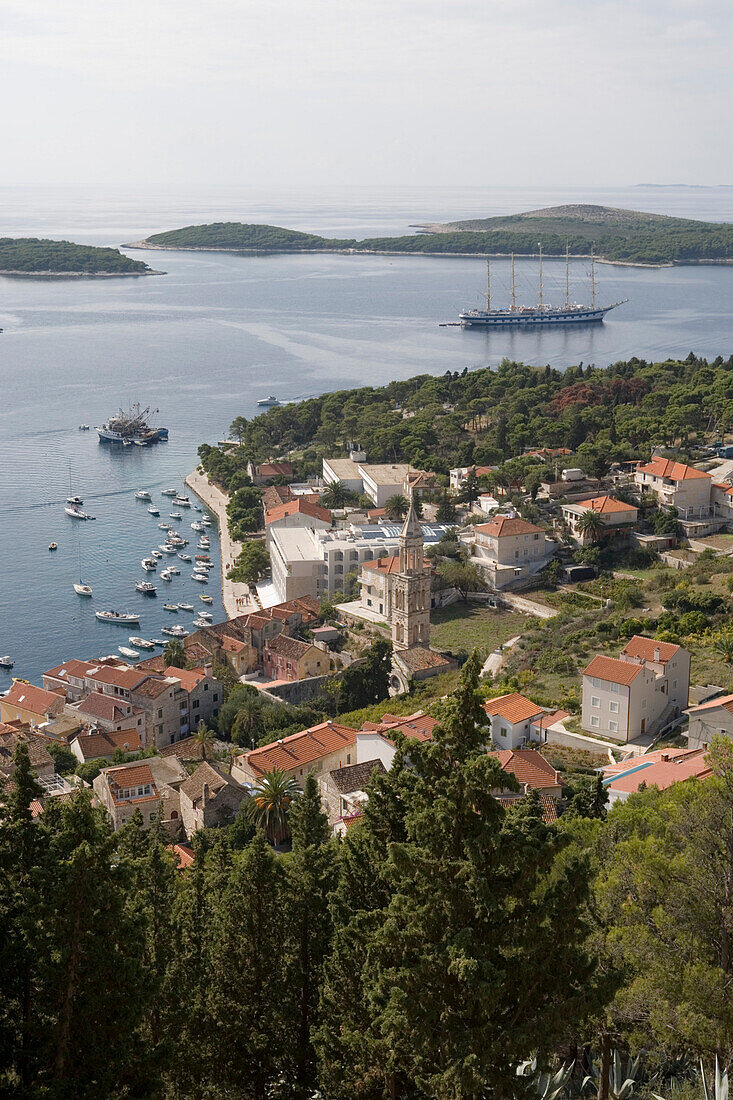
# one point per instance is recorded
(53, 546)
(6, 661)
(185, 557)
(153, 510)
(170, 607)
(207, 599)
(143, 494)
(146, 587)
(175, 631)
(202, 557)
(141, 643)
(82, 589)
(131, 654)
(149, 564)
(169, 492)
(186, 606)
(75, 500)
(517, 316)
(131, 426)
(75, 513)
(268, 402)
(122, 617)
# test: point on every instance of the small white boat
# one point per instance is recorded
(53, 546)
(200, 577)
(207, 599)
(131, 654)
(149, 565)
(153, 510)
(164, 526)
(117, 617)
(206, 521)
(146, 588)
(75, 513)
(201, 622)
(75, 500)
(197, 525)
(6, 661)
(143, 494)
(175, 631)
(206, 615)
(181, 502)
(156, 554)
(185, 557)
(175, 515)
(202, 558)
(166, 576)
(126, 442)
(141, 643)
(158, 641)
(168, 492)
(82, 589)
(170, 607)
(197, 508)
(173, 570)
(186, 606)
(204, 566)
(268, 402)
(83, 427)
(166, 548)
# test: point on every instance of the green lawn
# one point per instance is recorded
(467, 626)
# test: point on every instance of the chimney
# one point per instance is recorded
(657, 654)
(204, 795)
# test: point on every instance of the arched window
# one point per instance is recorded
(174, 815)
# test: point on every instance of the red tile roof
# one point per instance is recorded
(94, 745)
(418, 726)
(125, 678)
(290, 648)
(274, 469)
(639, 646)
(389, 564)
(549, 806)
(727, 489)
(613, 670)
(34, 699)
(183, 855)
(725, 701)
(504, 526)
(675, 471)
(79, 669)
(190, 678)
(298, 507)
(128, 776)
(529, 768)
(513, 708)
(658, 769)
(300, 748)
(605, 506)
(106, 707)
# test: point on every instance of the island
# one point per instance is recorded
(37, 256)
(613, 235)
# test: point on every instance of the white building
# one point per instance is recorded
(511, 718)
(378, 481)
(708, 720)
(676, 486)
(508, 549)
(616, 515)
(638, 693)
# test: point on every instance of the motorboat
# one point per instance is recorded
(53, 546)
(173, 570)
(122, 617)
(185, 557)
(166, 548)
(158, 641)
(156, 554)
(131, 654)
(75, 513)
(197, 525)
(197, 508)
(142, 494)
(169, 492)
(141, 643)
(75, 500)
(170, 607)
(175, 631)
(201, 565)
(164, 526)
(166, 576)
(153, 510)
(83, 427)
(206, 615)
(6, 661)
(146, 588)
(186, 606)
(201, 622)
(182, 502)
(149, 565)
(175, 515)
(203, 557)
(268, 402)
(207, 599)
(126, 442)
(82, 589)
(207, 522)
(202, 578)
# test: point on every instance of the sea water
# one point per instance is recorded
(204, 342)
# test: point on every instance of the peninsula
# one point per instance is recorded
(36, 256)
(616, 236)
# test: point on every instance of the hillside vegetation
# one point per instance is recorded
(33, 255)
(625, 236)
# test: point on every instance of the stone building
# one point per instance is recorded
(209, 797)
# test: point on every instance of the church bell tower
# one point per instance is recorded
(411, 591)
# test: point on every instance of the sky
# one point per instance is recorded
(366, 92)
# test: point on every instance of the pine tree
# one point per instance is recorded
(309, 880)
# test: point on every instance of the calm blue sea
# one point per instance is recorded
(205, 341)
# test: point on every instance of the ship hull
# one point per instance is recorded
(533, 318)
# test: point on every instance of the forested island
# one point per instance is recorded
(36, 256)
(616, 236)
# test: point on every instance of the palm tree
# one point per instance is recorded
(591, 526)
(396, 507)
(336, 495)
(205, 739)
(724, 646)
(248, 720)
(174, 654)
(270, 802)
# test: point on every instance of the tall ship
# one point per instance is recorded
(131, 426)
(516, 316)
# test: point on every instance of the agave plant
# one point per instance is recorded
(720, 1091)
(623, 1078)
(542, 1083)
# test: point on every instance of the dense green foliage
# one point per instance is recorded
(488, 415)
(633, 237)
(28, 255)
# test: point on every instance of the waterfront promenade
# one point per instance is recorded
(236, 597)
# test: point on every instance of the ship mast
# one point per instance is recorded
(567, 275)
(514, 297)
(592, 277)
(488, 286)
(540, 301)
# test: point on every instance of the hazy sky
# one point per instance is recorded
(315, 92)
